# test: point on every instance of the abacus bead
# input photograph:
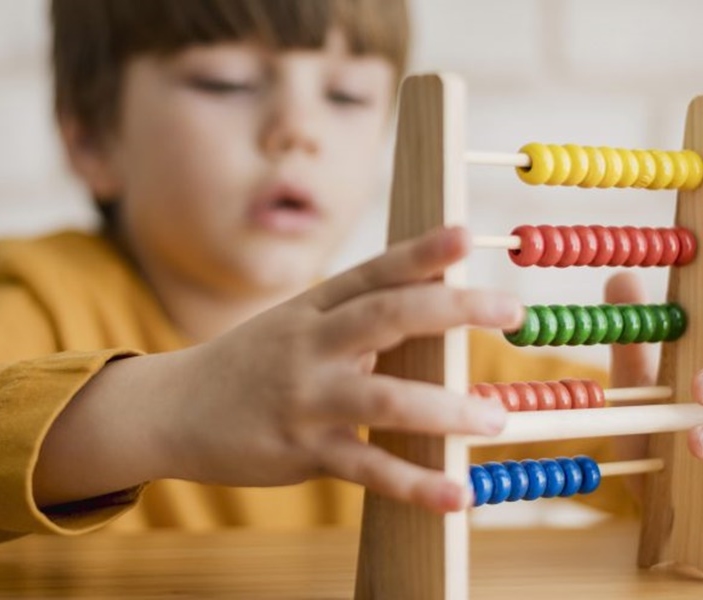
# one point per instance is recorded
(599, 325)
(678, 322)
(680, 170)
(528, 397)
(482, 484)
(509, 396)
(655, 247)
(562, 165)
(688, 246)
(579, 164)
(596, 395)
(501, 482)
(695, 170)
(662, 322)
(565, 324)
(623, 246)
(573, 476)
(647, 169)
(631, 168)
(615, 323)
(578, 391)
(548, 325)
(606, 246)
(596, 167)
(542, 164)
(538, 479)
(638, 248)
(555, 478)
(671, 247)
(572, 246)
(546, 398)
(582, 327)
(664, 170)
(519, 480)
(561, 393)
(590, 472)
(648, 324)
(531, 246)
(529, 331)
(553, 246)
(589, 245)
(631, 324)
(484, 390)
(613, 167)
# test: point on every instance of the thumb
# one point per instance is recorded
(632, 365)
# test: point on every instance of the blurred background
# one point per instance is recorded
(554, 71)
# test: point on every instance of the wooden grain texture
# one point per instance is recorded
(319, 565)
(408, 553)
(672, 529)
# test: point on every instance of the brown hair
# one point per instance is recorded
(94, 39)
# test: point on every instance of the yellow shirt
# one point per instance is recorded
(69, 302)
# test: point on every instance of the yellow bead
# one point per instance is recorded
(648, 169)
(596, 167)
(695, 170)
(664, 170)
(542, 164)
(680, 170)
(630, 168)
(562, 165)
(613, 167)
(579, 164)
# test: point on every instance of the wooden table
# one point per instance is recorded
(575, 564)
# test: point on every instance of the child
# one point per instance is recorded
(230, 146)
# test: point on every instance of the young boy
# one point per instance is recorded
(230, 146)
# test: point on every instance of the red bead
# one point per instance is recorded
(672, 246)
(578, 391)
(510, 397)
(562, 394)
(596, 395)
(553, 246)
(655, 247)
(528, 397)
(688, 246)
(484, 390)
(639, 246)
(572, 246)
(606, 246)
(589, 245)
(623, 246)
(531, 246)
(545, 395)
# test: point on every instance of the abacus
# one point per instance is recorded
(408, 553)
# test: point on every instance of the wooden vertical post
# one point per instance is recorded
(672, 525)
(407, 553)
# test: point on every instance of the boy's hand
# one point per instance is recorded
(279, 399)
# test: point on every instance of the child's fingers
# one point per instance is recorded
(381, 320)
(390, 476)
(406, 262)
(632, 364)
(386, 402)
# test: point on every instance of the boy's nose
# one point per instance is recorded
(290, 130)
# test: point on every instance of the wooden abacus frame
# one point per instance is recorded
(408, 553)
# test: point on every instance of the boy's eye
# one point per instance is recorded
(346, 99)
(223, 86)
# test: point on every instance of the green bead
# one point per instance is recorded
(599, 325)
(648, 323)
(662, 322)
(529, 331)
(678, 322)
(615, 323)
(631, 324)
(566, 324)
(583, 324)
(548, 325)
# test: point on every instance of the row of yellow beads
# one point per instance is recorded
(603, 167)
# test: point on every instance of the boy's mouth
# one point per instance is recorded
(284, 208)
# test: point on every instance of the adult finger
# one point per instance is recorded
(412, 260)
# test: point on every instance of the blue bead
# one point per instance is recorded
(482, 484)
(501, 482)
(538, 479)
(573, 474)
(555, 478)
(520, 480)
(590, 472)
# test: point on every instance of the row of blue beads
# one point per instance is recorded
(496, 482)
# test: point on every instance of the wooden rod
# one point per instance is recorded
(592, 422)
(509, 242)
(631, 467)
(498, 159)
(652, 393)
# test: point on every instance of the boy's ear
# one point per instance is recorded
(90, 158)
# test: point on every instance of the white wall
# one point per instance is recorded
(597, 72)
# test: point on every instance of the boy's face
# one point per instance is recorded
(242, 168)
